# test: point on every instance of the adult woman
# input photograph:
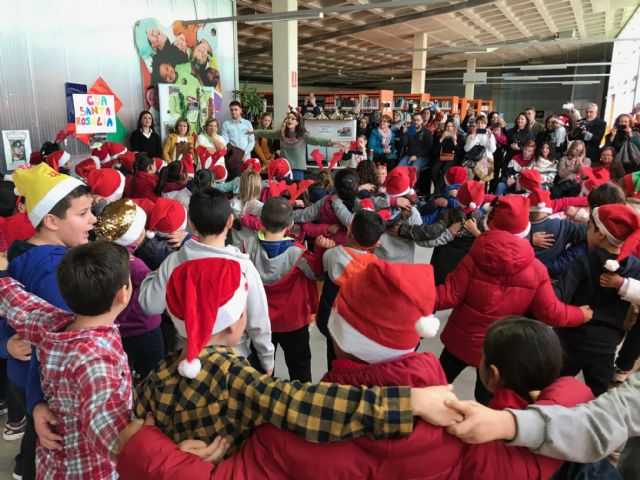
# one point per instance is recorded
(518, 136)
(446, 153)
(178, 143)
(144, 138)
(382, 142)
(479, 135)
(607, 161)
(265, 148)
(210, 138)
(363, 127)
(570, 164)
(294, 139)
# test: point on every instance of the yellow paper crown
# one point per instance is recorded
(42, 188)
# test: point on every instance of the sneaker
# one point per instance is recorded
(620, 375)
(3, 407)
(17, 472)
(14, 431)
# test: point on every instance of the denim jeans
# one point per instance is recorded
(501, 188)
(298, 174)
(420, 163)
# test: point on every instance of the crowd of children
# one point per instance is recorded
(142, 304)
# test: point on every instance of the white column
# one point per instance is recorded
(469, 90)
(419, 62)
(285, 61)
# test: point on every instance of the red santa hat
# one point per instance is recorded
(400, 181)
(219, 173)
(168, 216)
(540, 201)
(382, 312)
(530, 179)
(187, 161)
(470, 195)
(204, 297)
(107, 182)
(109, 151)
(511, 214)
(35, 158)
(145, 204)
(367, 204)
(159, 163)
(594, 177)
(57, 159)
(251, 163)
(279, 169)
(86, 166)
(621, 226)
(456, 175)
(127, 161)
(16, 227)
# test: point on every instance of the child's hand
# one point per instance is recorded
(176, 238)
(212, 453)
(611, 280)
(481, 424)
(404, 203)
(333, 229)
(454, 228)
(542, 239)
(570, 211)
(298, 203)
(131, 429)
(587, 312)
(510, 181)
(44, 422)
(325, 242)
(18, 348)
(441, 202)
(428, 403)
(370, 187)
(4, 263)
(471, 226)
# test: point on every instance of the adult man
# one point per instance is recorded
(536, 127)
(417, 142)
(234, 131)
(590, 129)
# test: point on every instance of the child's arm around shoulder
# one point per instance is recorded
(29, 315)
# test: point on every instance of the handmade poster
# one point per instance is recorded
(343, 131)
(17, 148)
(94, 113)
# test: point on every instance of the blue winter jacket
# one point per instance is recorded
(375, 143)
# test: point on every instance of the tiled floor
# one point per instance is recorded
(463, 385)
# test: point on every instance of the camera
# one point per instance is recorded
(582, 124)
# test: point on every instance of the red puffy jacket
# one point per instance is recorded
(500, 276)
(145, 186)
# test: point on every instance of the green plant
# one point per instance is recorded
(252, 102)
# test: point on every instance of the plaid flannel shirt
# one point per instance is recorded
(85, 379)
(230, 398)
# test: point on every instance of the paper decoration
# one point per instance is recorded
(318, 157)
(295, 189)
(17, 148)
(94, 113)
(336, 158)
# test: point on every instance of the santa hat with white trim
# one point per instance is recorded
(456, 175)
(43, 188)
(57, 159)
(470, 196)
(108, 151)
(251, 163)
(204, 296)
(511, 214)
(219, 173)
(107, 182)
(400, 181)
(121, 222)
(86, 166)
(382, 312)
(168, 216)
(529, 179)
(621, 226)
(279, 169)
(540, 201)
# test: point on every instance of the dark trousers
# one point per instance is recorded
(297, 352)
(597, 368)
(144, 351)
(27, 454)
(327, 297)
(630, 350)
(453, 366)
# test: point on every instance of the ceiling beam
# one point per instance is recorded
(578, 15)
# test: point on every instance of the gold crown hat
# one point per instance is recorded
(121, 222)
(42, 188)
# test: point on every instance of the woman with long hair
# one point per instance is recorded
(178, 143)
(144, 138)
(517, 136)
(266, 149)
(446, 153)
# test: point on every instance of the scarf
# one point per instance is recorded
(385, 136)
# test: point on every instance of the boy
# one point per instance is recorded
(342, 262)
(614, 231)
(210, 215)
(59, 208)
(85, 376)
(288, 272)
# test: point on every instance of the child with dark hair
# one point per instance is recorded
(288, 272)
(210, 217)
(545, 162)
(172, 183)
(14, 222)
(85, 376)
(143, 182)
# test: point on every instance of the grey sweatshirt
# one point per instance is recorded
(153, 290)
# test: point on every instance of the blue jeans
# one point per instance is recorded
(501, 188)
(420, 163)
(298, 174)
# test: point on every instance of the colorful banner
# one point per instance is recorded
(94, 113)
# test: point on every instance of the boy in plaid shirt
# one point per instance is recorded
(84, 372)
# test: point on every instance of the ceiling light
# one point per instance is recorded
(580, 82)
(519, 79)
(553, 66)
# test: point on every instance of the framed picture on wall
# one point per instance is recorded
(17, 148)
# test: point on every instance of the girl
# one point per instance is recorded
(546, 163)
(357, 155)
(247, 202)
(144, 138)
(568, 168)
(367, 179)
(178, 143)
(322, 187)
(173, 183)
(517, 163)
(518, 136)
(143, 182)
(210, 138)
(265, 148)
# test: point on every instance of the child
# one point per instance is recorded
(357, 153)
(546, 163)
(85, 377)
(518, 162)
(207, 390)
(210, 216)
(106, 183)
(288, 272)
(342, 262)
(476, 289)
(172, 183)
(59, 208)
(614, 231)
(143, 182)
(123, 222)
(564, 232)
(14, 222)
(322, 187)
(233, 186)
(247, 200)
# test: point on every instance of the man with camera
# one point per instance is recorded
(590, 130)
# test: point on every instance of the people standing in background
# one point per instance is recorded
(447, 150)
(589, 129)
(535, 126)
(517, 136)
(235, 131)
(178, 143)
(417, 142)
(210, 139)
(266, 149)
(144, 138)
